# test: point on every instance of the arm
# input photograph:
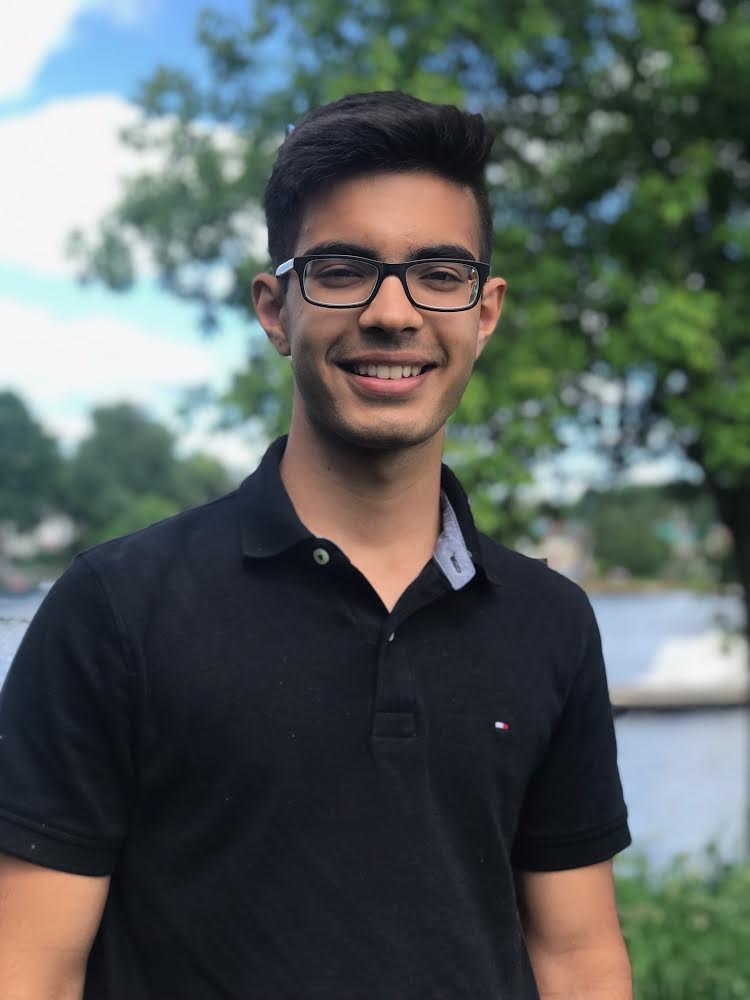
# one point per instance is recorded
(573, 934)
(48, 920)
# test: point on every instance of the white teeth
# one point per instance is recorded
(388, 371)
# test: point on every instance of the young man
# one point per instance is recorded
(320, 739)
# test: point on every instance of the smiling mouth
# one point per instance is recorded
(384, 372)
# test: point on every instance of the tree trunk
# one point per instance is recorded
(734, 510)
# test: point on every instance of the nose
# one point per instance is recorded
(391, 309)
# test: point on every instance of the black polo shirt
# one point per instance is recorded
(296, 793)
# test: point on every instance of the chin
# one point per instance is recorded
(379, 438)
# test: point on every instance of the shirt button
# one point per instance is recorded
(321, 557)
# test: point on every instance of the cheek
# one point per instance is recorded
(464, 355)
(463, 345)
(309, 364)
(312, 337)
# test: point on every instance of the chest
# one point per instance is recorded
(329, 706)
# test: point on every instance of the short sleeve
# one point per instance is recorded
(574, 813)
(65, 748)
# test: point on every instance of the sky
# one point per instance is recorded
(68, 73)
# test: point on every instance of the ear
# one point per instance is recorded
(270, 307)
(489, 310)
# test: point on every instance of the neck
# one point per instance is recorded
(382, 508)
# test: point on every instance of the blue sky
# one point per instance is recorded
(108, 47)
(68, 72)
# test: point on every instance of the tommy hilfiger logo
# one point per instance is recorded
(502, 725)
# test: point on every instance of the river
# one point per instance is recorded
(685, 774)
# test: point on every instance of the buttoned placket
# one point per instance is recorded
(395, 717)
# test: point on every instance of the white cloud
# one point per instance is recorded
(31, 31)
(62, 367)
(62, 165)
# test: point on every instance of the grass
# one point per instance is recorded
(688, 929)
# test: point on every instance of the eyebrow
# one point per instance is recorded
(421, 253)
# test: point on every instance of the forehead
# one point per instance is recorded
(395, 213)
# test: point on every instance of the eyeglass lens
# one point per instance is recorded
(343, 281)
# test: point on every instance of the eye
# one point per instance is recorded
(439, 275)
(337, 272)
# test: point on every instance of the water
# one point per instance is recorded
(685, 778)
(634, 626)
(685, 775)
(15, 615)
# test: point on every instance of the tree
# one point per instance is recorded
(624, 525)
(126, 475)
(619, 184)
(29, 465)
(200, 478)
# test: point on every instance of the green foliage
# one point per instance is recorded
(627, 527)
(667, 532)
(623, 541)
(139, 513)
(620, 186)
(29, 465)
(200, 478)
(126, 474)
(262, 390)
(686, 931)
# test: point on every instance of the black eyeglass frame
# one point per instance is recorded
(299, 264)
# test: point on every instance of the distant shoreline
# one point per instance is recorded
(604, 585)
(591, 584)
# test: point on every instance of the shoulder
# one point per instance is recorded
(549, 603)
(168, 560)
(531, 578)
(203, 524)
(111, 594)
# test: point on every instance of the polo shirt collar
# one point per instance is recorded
(268, 521)
(269, 524)
(451, 553)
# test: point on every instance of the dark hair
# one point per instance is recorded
(371, 133)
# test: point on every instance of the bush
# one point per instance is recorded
(687, 930)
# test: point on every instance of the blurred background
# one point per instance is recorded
(607, 427)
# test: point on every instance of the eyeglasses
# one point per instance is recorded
(443, 284)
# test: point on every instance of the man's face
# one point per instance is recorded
(388, 217)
